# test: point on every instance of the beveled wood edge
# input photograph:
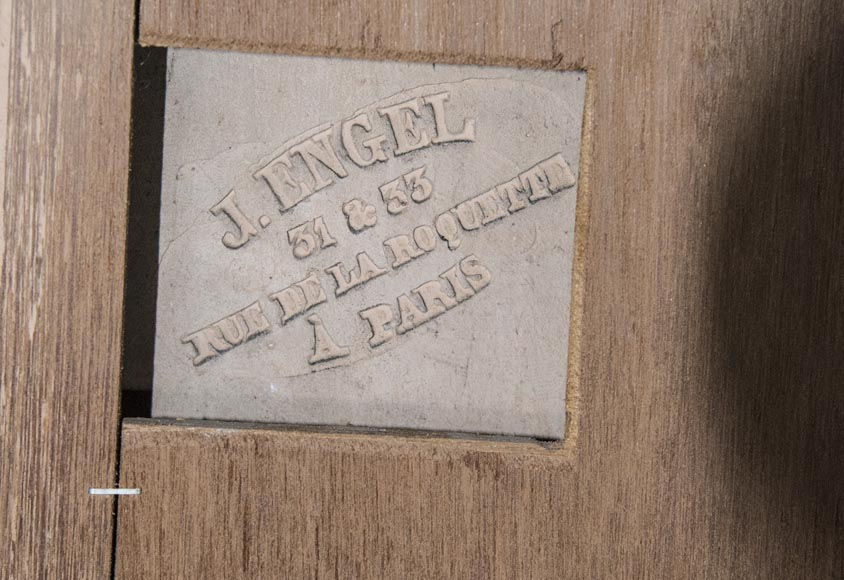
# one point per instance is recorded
(555, 62)
(390, 442)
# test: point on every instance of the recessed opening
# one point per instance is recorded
(351, 244)
(141, 289)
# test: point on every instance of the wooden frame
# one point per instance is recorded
(66, 102)
(709, 440)
(142, 436)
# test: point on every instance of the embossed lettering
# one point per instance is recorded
(425, 238)
(308, 237)
(434, 297)
(233, 329)
(476, 273)
(208, 342)
(299, 297)
(403, 250)
(287, 190)
(539, 182)
(411, 315)
(469, 215)
(409, 137)
(558, 173)
(535, 179)
(359, 215)
(447, 229)
(422, 304)
(319, 153)
(379, 317)
(246, 230)
(436, 102)
(375, 145)
(510, 190)
(318, 149)
(461, 292)
(325, 349)
(394, 196)
(225, 334)
(419, 186)
(256, 322)
(436, 301)
(490, 206)
(547, 177)
(365, 271)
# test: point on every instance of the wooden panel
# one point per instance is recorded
(220, 502)
(711, 415)
(62, 245)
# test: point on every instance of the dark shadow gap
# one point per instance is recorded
(140, 290)
(323, 429)
(147, 143)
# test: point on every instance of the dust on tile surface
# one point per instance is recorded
(381, 244)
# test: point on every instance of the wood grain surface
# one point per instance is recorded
(711, 402)
(66, 98)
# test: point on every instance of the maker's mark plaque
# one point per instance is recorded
(365, 243)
